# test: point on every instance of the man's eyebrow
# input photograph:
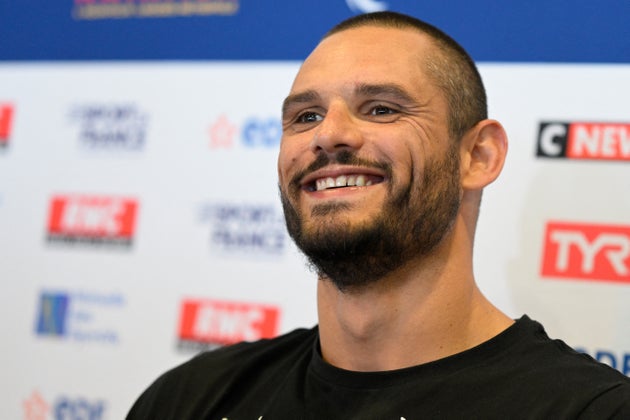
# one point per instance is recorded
(298, 98)
(364, 89)
(389, 89)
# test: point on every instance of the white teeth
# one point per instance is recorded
(342, 181)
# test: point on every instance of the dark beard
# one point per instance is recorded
(411, 225)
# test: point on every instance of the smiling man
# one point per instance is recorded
(386, 149)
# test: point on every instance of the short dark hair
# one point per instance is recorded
(452, 69)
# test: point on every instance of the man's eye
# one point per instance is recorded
(382, 110)
(308, 117)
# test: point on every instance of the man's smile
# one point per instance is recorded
(341, 178)
(342, 181)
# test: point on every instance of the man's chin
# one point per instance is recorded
(349, 272)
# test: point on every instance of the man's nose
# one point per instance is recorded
(339, 130)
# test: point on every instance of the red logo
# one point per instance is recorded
(589, 252)
(98, 219)
(6, 118)
(222, 133)
(584, 140)
(216, 323)
(35, 407)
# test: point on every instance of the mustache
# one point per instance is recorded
(344, 157)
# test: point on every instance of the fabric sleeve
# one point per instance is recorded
(612, 404)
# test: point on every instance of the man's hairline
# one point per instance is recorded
(436, 48)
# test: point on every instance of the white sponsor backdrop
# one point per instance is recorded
(207, 133)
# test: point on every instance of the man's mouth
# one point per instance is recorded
(342, 181)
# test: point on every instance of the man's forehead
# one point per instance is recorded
(365, 55)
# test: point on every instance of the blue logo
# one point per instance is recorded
(245, 229)
(80, 316)
(262, 133)
(111, 127)
(53, 309)
(78, 409)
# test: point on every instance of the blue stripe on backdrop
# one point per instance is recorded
(510, 31)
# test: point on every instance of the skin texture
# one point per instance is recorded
(362, 104)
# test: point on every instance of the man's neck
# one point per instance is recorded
(417, 316)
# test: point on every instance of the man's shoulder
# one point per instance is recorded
(553, 370)
(554, 354)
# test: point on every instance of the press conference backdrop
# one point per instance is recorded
(139, 215)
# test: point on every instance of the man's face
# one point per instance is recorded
(368, 176)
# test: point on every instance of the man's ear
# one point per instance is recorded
(483, 149)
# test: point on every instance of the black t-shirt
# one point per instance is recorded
(519, 374)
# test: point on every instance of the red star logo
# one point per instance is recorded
(35, 407)
(222, 133)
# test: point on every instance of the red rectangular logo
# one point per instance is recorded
(587, 251)
(224, 323)
(604, 141)
(89, 216)
(6, 119)
(584, 140)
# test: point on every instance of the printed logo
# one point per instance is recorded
(255, 132)
(64, 408)
(35, 407)
(587, 251)
(79, 316)
(111, 127)
(584, 140)
(366, 6)
(6, 121)
(124, 9)
(208, 324)
(53, 309)
(93, 220)
(222, 133)
(245, 229)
